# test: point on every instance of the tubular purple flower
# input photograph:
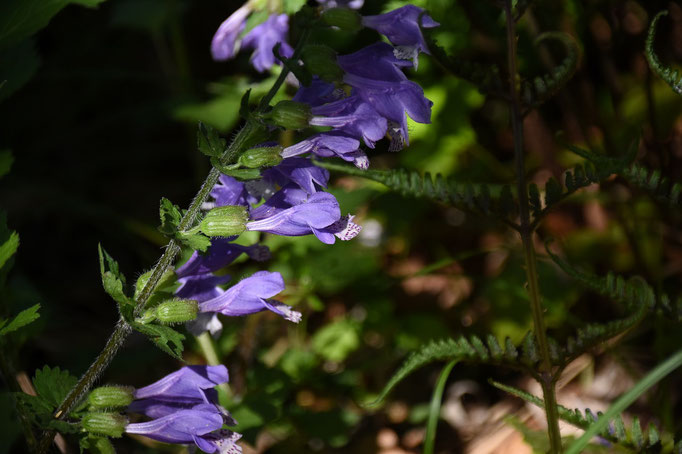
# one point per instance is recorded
(201, 287)
(317, 93)
(229, 191)
(263, 38)
(201, 425)
(224, 43)
(252, 295)
(320, 210)
(376, 61)
(221, 253)
(401, 27)
(186, 385)
(352, 116)
(329, 144)
(300, 171)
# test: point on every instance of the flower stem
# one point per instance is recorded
(252, 132)
(526, 231)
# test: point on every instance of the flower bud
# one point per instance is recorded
(110, 397)
(225, 221)
(291, 114)
(261, 157)
(343, 18)
(168, 278)
(177, 311)
(104, 423)
(321, 60)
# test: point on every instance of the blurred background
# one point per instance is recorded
(104, 126)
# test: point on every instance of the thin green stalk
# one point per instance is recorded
(625, 400)
(245, 138)
(526, 232)
(208, 349)
(434, 408)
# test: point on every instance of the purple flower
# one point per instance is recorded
(352, 116)
(300, 171)
(263, 38)
(401, 27)
(317, 93)
(330, 144)
(252, 295)
(221, 253)
(201, 425)
(184, 407)
(224, 41)
(376, 61)
(229, 191)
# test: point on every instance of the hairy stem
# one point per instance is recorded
(526, 232)
(252, 132)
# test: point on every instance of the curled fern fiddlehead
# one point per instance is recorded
(541, 88)
(670, 76)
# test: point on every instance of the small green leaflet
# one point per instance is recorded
(165, 337)
(9, 240)
(198, 242)
(292, 6)
(112, 280)
(22, 319)
(235, 172)
(209, 142)
(170, 217)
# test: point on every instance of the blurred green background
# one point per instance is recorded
(104, 126)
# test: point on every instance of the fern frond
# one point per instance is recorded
(661, 188)
(631, 438)
(486, 77)
(471, 349)
(670, 76)
(468, 196)
(544, 87)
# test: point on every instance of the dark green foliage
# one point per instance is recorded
(661, 188)
(9, 241)
(469, 349)
(51, 385)
(631, 438)
(209, 142)
(544, 87)
(170, 217)
(164, 337)
(670, 76)
(23, 318)
(485, 77)
(112, 280)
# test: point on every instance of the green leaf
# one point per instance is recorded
(292, 6)
(197, 242)
(18, 64)
(23, 318)
(670, 76)
(96, 445)
(6, 158)
(209, 142)
(10, 243)
(53, 385)
(336, 341)
(434, 408)
(170, 217)
(112, 280)
(164, 337)
(20, 19)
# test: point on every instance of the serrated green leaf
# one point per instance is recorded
(164, 337)
(197, 242)
(112, 280)
(53, 384)
(209, 141)
(170, 215)
(23, 318)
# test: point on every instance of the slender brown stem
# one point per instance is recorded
(526, 232)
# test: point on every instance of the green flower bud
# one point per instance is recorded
(110, 397)
(344, 18)
(261, 157)
(321, 60)
(103, 423)
(290, 114)
(167, 279)
(225, 221)
(177, 311)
